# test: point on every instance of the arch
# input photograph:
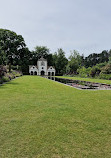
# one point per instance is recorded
(35, 73)
(31, 72)
(49, 73)
(52, 73)
(42, 73)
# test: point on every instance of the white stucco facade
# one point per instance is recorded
(42, 68)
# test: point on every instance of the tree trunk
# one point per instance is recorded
(9, 67)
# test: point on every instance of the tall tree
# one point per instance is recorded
(60, 61)
(3, 58)
(95, 58)
(41, 51)
(12, 45)
(75, 60)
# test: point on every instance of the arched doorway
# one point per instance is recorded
(52, 73)
(48, 73)
(31, 73)
(35, 73)
(42, 73)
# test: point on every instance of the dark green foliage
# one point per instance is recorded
(101, 64)
(84, 72)
(94, 58)
(11, 44)
(105, 76)
(3, 58)
(75, 61)
(40, 51)
(60, 62)
(95, 70)
(13, 50)
(50, 60)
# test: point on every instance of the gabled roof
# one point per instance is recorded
(30, 66)
(50, 67)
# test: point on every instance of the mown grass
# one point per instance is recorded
(87, 79)
(40, 118)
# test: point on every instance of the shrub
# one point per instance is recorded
(5, 79)
(2, 70)
(84, 72)
(105, 76)
(106, 69)
(16, 73)
(95, 71)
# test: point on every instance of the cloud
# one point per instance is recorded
(83, 25)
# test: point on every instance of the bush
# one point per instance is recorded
(84, 72)
(2, 70)
(106, 69)
(5, 79)
(16, 73)
(105, 76)
(95, 71)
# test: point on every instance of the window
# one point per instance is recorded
(42, 63)
(42, 68)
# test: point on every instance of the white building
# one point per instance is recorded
(42, 68)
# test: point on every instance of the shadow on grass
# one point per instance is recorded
(3, 85)
(12, 83)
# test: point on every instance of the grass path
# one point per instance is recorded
(40, 118)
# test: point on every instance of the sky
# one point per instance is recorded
(82, 25)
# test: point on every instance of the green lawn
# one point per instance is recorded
(87, 79)
(40, 118)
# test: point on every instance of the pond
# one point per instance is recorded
(82, 84)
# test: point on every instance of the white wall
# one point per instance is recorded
(42, 66)
(33, 69)
(51, 69)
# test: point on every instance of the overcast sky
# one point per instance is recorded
(83, 25)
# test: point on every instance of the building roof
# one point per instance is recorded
(42, 59)
(50, 67)
(30, 66)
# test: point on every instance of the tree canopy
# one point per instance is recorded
(11, 44)
(60, 61)
(75, 61)
(13, 51)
